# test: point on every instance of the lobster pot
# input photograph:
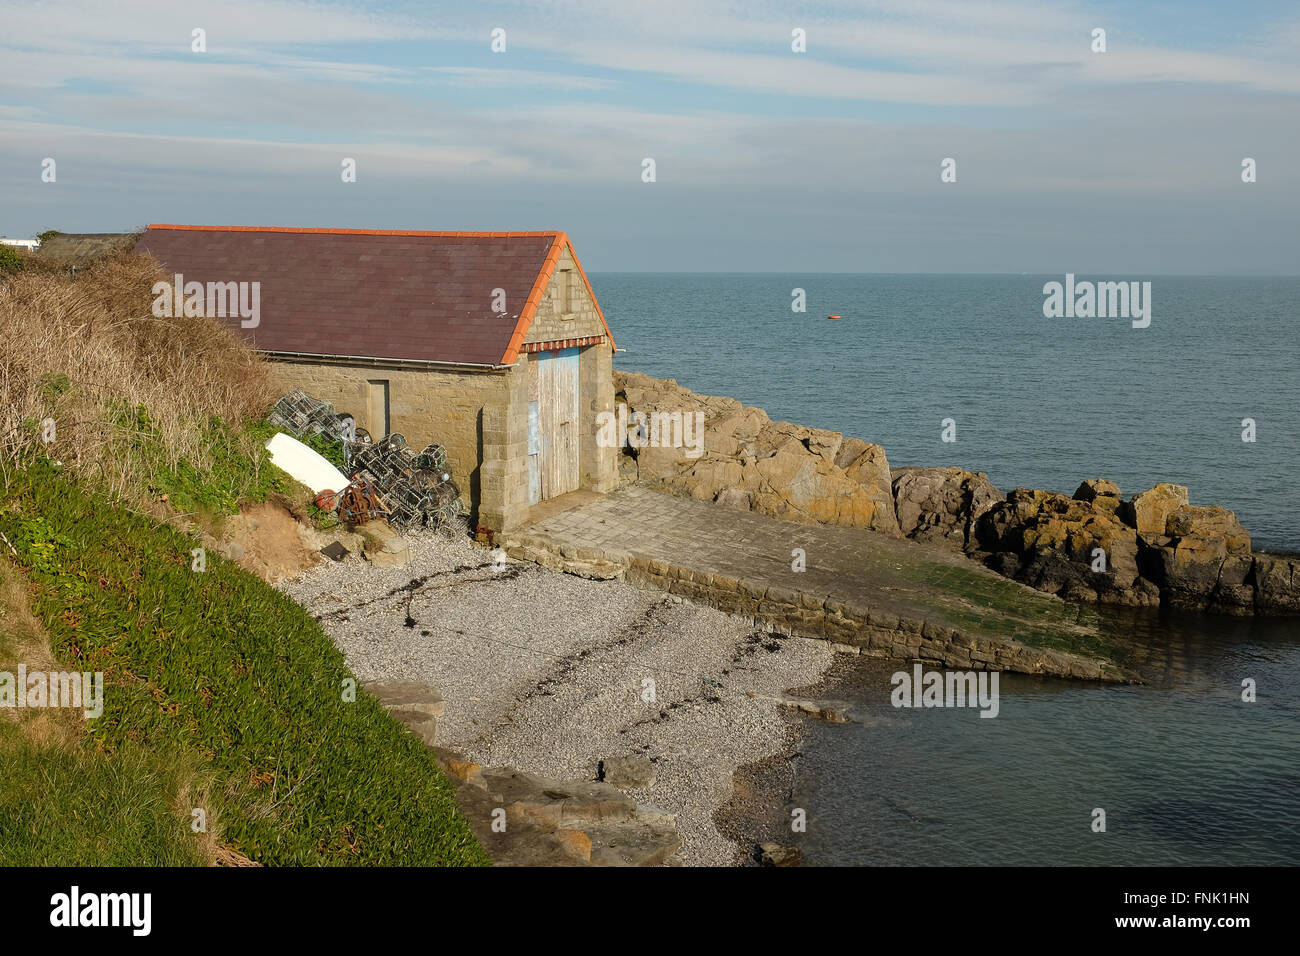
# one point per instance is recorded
(433, 458)
(407, 505)
(392, 443)
(301, 414)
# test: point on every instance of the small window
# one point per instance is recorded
(568, 305)
(377, 408)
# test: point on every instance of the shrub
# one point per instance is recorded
(11, 260)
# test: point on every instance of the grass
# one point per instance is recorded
(63, 802)
(239, 470)
(220, 694)
(70, 806)
(219, 671)
(84, 355)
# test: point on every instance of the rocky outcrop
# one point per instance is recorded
(526, 820)
(1067, 546)
(941, 505)
(748, 462)
(1094, 546)
(1154, 548)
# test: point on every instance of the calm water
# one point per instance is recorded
(1043, 403)
(1186, 771)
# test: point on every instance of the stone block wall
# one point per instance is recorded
(857, 626)
(505, 452)
(456, 409)
(867, 630)
(598, 466)
(549, 323)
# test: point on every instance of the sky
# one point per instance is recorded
(1124, 162)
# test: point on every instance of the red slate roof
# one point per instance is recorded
(421, 296)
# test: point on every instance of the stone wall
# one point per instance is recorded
(550, 323)
(866, 630)
(598, 465)
(426, 405)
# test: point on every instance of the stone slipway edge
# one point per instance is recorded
(854, 625)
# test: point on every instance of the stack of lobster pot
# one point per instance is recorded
(414, 488)
(303, 416)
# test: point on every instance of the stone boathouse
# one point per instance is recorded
(489, 343)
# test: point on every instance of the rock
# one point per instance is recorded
(541, 801)
(418, 706)
(389, 559)
(1190, 557)
(574, 843)
(734, 498)
(773, 854)
(1149, 511)
(383, 546)
(459, 768)
(634, 772)
(1097, 488)
(1235, 591)
(1277, 584)
(1202, 560)
(749, 462)
(1211, 524)
(1053, 541)
(1103, 494)
(1186, 572)
(941, 505)
(564, 822)
(835, 712)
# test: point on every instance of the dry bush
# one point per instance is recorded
(86, 351)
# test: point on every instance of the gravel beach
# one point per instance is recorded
(548, 673)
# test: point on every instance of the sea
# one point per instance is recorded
(1200, 764)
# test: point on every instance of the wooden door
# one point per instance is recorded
(557, 421)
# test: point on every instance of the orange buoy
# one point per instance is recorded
(832, 316)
